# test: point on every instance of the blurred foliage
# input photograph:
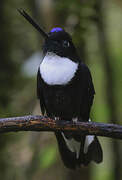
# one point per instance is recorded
(48, 157)
(35, 155)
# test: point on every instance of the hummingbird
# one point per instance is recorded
(66, 92)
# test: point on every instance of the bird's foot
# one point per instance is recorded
(75, 120)
(56, 118)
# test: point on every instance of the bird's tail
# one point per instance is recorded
(77, 150)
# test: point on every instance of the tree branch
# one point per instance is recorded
(41, 123)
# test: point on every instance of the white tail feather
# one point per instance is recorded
(72, 145)
(88, 140)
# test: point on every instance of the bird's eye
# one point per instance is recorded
(66, 44)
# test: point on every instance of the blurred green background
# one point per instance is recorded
(96, 28)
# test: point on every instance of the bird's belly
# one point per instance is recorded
(62, 103)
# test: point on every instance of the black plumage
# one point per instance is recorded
(70, 99)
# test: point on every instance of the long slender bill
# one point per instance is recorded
(31, 21)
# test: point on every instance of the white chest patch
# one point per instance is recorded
(56, 70)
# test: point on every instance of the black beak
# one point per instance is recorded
(31, 21)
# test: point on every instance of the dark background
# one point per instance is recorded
(96, 28)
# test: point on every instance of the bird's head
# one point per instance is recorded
(60, 43)
(57, 41)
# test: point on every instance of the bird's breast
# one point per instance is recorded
(56, 70)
